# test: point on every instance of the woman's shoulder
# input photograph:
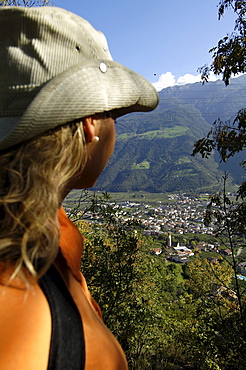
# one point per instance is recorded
(25, 325)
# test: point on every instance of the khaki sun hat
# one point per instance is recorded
(55, 68)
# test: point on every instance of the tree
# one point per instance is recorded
(139, 293)
(157, 312)
(215, 331)
(229, 138)
(119, 269)
(229, 56)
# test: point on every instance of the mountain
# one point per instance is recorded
(153, 150)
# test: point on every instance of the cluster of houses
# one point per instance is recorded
(181, 214)
(181, 254)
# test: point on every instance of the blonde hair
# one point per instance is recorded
(34, 177)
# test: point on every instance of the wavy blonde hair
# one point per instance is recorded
(34, 177)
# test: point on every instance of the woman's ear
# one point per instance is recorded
(89, 125)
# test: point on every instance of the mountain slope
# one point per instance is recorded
(153, 150)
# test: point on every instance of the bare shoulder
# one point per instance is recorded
(25, 327)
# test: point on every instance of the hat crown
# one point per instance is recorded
(38, 44)
(56, 68)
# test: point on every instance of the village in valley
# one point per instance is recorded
(169, 222)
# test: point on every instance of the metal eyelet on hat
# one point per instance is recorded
(103, 67)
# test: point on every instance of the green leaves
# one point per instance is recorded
(157, 312)
(227, 138)
(229, 56)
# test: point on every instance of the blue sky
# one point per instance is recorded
(164, 40)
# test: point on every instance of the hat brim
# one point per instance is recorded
(81, 91)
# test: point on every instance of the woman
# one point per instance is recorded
(60, 92)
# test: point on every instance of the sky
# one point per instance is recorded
(166, 41)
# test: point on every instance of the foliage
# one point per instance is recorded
(228, 138)
(91, 203)
(216, 333)
(230, 221)
(126, 281)
(221, 300)
(208, 277)
(163, 318)
(229, 56)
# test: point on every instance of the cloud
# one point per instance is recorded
(168, 79)
(165, 80)
(188, 79)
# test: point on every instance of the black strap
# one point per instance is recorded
(67, 349)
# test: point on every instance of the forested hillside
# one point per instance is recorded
(153, 150)
(166, 315)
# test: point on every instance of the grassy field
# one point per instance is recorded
(141, 166)
(183, 160)
(139, 196)
(185, 172)
(169, 132)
